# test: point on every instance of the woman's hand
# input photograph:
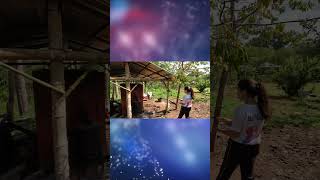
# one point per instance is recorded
(229, 132)
(222, 119)
(225, 121)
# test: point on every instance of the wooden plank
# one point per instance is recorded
(51, 54)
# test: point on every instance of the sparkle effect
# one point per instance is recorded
(162, 30)
(160, 149)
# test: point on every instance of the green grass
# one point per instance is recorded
(285, 111)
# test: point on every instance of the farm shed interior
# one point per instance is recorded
(69, 40)
(131, 77)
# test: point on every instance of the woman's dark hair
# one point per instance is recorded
(189, 90)
(256, 89)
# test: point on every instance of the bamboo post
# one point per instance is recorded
(128, 91)
(22, 95)
(168, 92)
(113, 92)
(117, 93)
(60, 141)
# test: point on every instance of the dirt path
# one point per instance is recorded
(286, 153)
(199, 110)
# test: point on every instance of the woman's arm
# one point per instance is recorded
(225, 121)
(230, 133)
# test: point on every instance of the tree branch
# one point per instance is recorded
(281, 22)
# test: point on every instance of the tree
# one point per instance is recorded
(202, 83)
(234, 23)
(295, 73)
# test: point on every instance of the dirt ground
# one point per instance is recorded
(155, 110)
(286, 153)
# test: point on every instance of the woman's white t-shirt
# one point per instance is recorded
(187, 101)
(249, 122)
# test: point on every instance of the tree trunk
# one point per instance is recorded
(218, 107)
(10, 103)
(59, 128)
(178, 95)
(22, 95)
(179, 88)
(222, 84)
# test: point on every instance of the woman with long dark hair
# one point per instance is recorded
(186, 103)
(245, 130)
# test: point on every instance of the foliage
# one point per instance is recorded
(202, 83)
(276, 38)
(296, 73)
(187, 73)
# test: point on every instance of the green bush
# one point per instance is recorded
(295, 73)
(202, 83)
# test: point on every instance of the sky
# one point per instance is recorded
(161, 30)
(160, 149)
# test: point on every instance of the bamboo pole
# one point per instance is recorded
(117, 85)
(113, 92)
(128, 93)
(22, 95)
(168, 91)
(27, 76)
(76, 83)
(60, 141)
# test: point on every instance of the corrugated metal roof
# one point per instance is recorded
(145, 70)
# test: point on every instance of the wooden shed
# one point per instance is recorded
(58, 34)
(130, 76)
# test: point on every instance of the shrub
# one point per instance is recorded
(202, 83)
(295, 73)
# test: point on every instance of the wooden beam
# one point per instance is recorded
(27, 76)
(59, 125)
(76, 83)
(134, 79)
(116, 84)
(52, 54)
(128, 93)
